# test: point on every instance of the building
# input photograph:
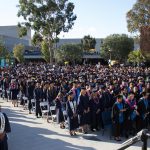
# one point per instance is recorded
(10, 42)
(13, 32)
(9, 35)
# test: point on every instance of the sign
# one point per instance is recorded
(2, 62)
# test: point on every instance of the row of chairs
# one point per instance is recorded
(48, 111)
(5, 93)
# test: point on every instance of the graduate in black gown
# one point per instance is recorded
(143, 109)
(59, 110)
(30, 95)
(95, 109)
(14, 91)
(38, 98)
(84, 110)
(118, 110)
(4, 129)
(72, 113)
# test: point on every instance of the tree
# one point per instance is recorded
(45, 51)
(138, 16)
(145, 42)
(4, 53)
(69, 52)
(37, 40)
(88, 43)
(18, 52)
(47, 18)
(136, 57)
(138, 20)
(117, 46)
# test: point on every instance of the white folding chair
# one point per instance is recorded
(3, 94)
(25, 99)
(53, 113)
(8, 95)
(44, 108)
(18, 97)
(33, 105)
(65, 118)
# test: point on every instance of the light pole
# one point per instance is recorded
(110, 50)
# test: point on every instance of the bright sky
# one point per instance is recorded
(98, 18)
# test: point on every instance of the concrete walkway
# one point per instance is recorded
(30, 133)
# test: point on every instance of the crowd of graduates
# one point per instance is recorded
(86, 93)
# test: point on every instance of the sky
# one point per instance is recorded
(98, 18)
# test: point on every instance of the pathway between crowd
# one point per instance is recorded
(31, 133)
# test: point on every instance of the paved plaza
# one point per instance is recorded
(30, 133)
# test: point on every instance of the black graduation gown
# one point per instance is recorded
(84, 105)
(72, 121)
(52, 93)
(6, 86)
(3, 143)
(118, 128)
(38, 97)
(60, 116)
(14, 91)
(30, 95)
(95, 117)
(44, 94)
(142, 119)
(116, 112)
(107, 100)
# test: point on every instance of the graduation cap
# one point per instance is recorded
(94, 90)
(92, 85)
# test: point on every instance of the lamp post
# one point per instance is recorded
(110, 50)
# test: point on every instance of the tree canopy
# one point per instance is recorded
(4, 53)
(139, 15)
(88, 43)
(69, 52)
(45, 51)
(118, 46)
(136, 57)
(18, 52)
(48, 18)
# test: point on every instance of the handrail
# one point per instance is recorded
(143, 136)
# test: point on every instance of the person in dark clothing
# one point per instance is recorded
(30, 95)
(45, 93)
(38, 97)
(72, 113)
(59, 110)
(4, 129)
(14, 91)
(143, 109)
(118, 110)
(95, 109)
(84, 111)
(130, 114)
(107, 99)
(52, 93)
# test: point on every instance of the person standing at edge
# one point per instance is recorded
(38, 97)
(118, 110)
(4, 129)
(72, 113)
